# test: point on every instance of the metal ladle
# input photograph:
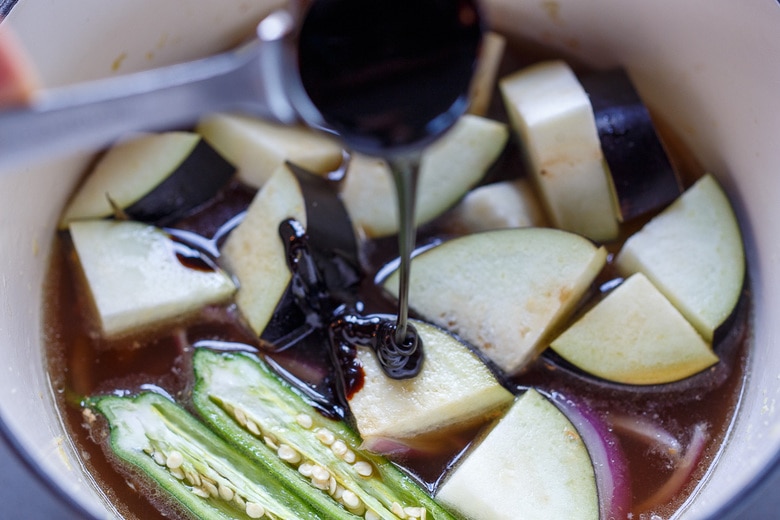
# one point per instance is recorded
(264, 78)
(388, 76)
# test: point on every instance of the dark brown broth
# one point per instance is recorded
(82, 363)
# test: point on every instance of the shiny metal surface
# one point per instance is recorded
(90, 116)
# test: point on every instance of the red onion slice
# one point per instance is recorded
(682, 471)
(609, 462)
(647, 432)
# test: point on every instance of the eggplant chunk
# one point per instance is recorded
(254, 252)
(551, 114)
(453, 390)
(483, 83)
(448, 169)
(205, 475)
(244, 401)
(332, 245)
(258, 148)
(642, 174)
(154, 178)
(693, 253)
(635, 336)
(503, 291)
(532, 464)
(501, 205)
(138, 276)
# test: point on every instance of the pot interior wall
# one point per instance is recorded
(716, 89)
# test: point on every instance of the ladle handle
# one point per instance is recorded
(92, 115)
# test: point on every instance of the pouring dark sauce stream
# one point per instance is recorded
(389, 77)
(346, 329)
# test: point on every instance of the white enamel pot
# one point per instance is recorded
(709, 68)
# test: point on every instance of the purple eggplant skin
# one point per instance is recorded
(333, 252)
(642, 173)
(196, 180)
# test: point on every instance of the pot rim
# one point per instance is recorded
(35, 469)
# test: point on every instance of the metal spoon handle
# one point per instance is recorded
(93, 115)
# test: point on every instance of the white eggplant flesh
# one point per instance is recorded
(503, 291)
(501, 205)
(254, 252)
(533, 465)
(483, 84)
(136, 278)
(150, 175)
(448, 169)
(453, 390)
(552, 116)
(693, 253)
(257, 148)
(635, 336)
